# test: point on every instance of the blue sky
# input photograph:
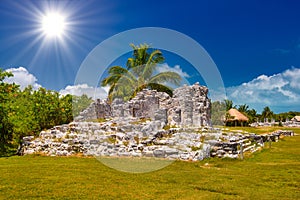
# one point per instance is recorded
(255, 44)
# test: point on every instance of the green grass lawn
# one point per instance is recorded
(262, 130)
(273, 173)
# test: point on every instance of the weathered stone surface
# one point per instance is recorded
(160, 153)
(185, 144)
(189, 106)
(138, 128)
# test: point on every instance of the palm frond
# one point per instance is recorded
(130, 63)
(110, 80)
(139, 59)
(138, 89)
(154, 58)
(128, 78)
(160, 88)
(117, 70)
(115, 73)
(153, 86)
(171, 77)
(138, 74)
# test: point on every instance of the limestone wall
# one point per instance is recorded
(137, 128)
(131, 139)
(189, 107)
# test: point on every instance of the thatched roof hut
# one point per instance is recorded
(296, 119)
(235, 115)
(235, 118)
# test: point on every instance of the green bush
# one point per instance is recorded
(27, 112)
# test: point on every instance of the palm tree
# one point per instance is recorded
(252, 114)
(267, 113)
(243, 108)
(228, 104)
(139, 74)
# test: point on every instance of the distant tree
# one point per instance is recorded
(285, 116)
(47, 104)
(27, 112)
(66, 109)
(228, 104)
(218, 113)
(23, 116)
(267, 113)
(33, 111)
(243, 108)
(80, 103)
(7, 93)
(252, 115)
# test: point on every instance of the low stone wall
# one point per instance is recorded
(235, 146)
(136, 138)
(285, 124)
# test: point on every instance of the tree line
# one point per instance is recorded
(219, 109)
(27, 112)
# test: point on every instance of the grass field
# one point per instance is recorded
(273, 173)
(262, 130)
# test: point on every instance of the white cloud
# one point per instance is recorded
(278, 90)
(22, 77)
(166, 68)
(217, 94)
(78, 90)
(294, 76)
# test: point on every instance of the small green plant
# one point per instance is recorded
(140, 121)
(195, 148)
(114, 124)
(112, 140)
(126, 143)
(144, 120)
(168, 127)
(100, 120)
(202, 138)
(137, 139)
(57, 140)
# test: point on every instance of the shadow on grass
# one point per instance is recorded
(135, 165)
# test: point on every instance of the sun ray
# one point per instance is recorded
(49, 52)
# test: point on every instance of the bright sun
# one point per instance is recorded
(53, 25)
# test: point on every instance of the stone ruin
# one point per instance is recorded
(105, 139)
(189, 107)
(152, 124)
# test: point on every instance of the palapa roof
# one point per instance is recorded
(236, 115)
(296, 118)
